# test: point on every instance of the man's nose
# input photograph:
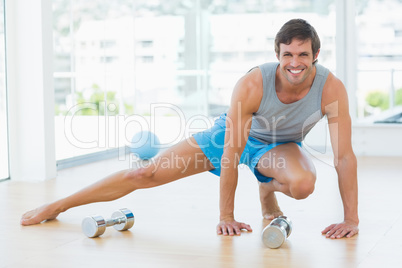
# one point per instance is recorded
(295, 61)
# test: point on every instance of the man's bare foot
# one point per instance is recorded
(269, 204)
(40, 214)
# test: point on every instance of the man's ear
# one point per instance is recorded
(316, 56)
(277, 56)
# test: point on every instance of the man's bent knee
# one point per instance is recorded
(302, 187)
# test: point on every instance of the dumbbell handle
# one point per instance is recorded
(114, 221)
(95, 225)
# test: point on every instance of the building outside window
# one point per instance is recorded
(122, 60)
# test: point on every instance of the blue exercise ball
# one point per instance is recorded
(145, 145)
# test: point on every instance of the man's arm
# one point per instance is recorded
(336, 108)
(245, 101)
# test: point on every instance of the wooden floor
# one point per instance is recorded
(175, 223)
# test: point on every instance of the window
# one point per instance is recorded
(146, 43)
(116, 58)
(93, 68)
(379, 57)
(4, 171)
(107, 43)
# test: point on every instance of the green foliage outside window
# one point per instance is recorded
(380, 99)
(96, 103)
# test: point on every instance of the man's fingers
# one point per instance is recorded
(328, 228)
(231, 232)
(336, 234)
(332, 231)
(352, 233)
(224, 230)
(221, 230)
(336, 231)
(247, 227)
(237, 230)
(348, 232)
(232, 228)
(343, 233)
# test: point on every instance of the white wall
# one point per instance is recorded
(367, 139)
(30, 88)
(377, 140)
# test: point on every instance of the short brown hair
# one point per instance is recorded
(297, 29)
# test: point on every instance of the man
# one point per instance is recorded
(272, 108)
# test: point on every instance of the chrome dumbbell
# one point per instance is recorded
(95, 225)
(275, 233)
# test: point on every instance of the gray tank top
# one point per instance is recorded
(278, 122)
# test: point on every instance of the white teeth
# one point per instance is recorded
(295, 71)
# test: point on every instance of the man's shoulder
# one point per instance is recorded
(333, 91)
(333, 84)
(268, 67)
(249, 88)
(253, 81)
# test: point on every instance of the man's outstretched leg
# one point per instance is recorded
(295, 176)
(183, 159)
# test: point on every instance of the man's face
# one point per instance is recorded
(296, 60)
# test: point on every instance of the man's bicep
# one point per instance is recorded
(238, 124)
(245, 99)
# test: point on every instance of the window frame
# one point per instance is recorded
(7, 153)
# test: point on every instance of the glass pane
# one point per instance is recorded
(93, 52)
(118, 59)
(379, 45)
(4, 172)
(121, 58)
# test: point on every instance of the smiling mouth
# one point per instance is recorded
(295, 71)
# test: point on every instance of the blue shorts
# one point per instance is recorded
(211, 142)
